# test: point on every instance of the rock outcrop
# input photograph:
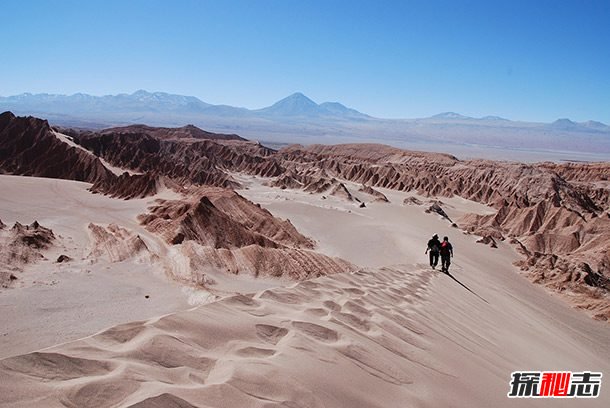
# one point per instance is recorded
(22, 245)
(217, 229)
(436, 208)
(377, 195)
(28, 147)
(412, 201)
(185, 161)
(339, 190)
(116, 244)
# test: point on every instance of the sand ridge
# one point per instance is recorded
(384, 337)
(356, 323)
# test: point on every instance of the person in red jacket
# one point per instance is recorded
(446, 254)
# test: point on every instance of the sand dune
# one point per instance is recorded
(389, 337)
(120, 270)
(312, 285)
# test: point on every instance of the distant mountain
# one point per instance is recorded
(133, 108)
(143, 102)
(449, 115)
(568, 125)
(298, 104)
(298, 119)
(227, 111)
(457, 116)
(338, 109)
(495, 118)
(563, 124)
(139, 101)
(592, 124)
(595, 125)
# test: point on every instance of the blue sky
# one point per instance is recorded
(528, 60)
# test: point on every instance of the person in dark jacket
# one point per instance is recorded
(446, 251)
(434, 246)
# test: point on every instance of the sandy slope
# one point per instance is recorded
(54, 303)
(386, 336)
(378, 235)
(393, 337)
(106, 281)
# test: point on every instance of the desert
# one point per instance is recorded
(157, 267)
(304, 204)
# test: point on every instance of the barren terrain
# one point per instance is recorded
(174, 267)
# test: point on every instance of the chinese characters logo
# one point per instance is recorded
(555, 384)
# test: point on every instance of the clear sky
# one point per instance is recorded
(529, 60)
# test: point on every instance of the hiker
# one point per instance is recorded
(446, 254)
(434, 246)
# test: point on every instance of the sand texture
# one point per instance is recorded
(159, 267)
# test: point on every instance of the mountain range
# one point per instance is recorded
(298, 119)
(142, 101)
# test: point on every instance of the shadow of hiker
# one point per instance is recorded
(465, 287)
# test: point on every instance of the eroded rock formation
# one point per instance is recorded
(22, 245)
(556, 214)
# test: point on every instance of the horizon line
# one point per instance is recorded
(432, 116)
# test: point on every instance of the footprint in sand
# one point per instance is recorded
(281, 297)
(366, 359)
(352, 321)
(357, 309)
(355, 291)
(247, 304)
(316, 331)
(122, 333)
(310, 285)
(255, 352)
(171, 352)
(317, 311)
(401, 292)
(270, 334)
(242, 300)
(100, 393)
(329, 304)
(45, 365)
(163, 400)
